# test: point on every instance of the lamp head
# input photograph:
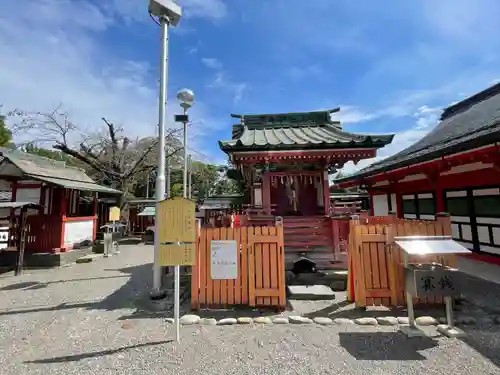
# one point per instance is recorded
(166, 8)
(185, 98)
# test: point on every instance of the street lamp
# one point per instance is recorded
(186, 100)
(168, 13)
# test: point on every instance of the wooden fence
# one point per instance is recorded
(376, 264)
(261, 269)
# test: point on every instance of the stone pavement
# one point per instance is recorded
(92, 319)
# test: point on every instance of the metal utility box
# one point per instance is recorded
(431, 280)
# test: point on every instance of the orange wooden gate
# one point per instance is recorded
(261, 269)
(376, 263)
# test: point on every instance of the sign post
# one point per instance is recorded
(114, 216)
(177, 240)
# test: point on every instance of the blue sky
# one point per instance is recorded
(391, 66)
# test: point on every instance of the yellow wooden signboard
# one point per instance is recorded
(114, 214)
(176, 232)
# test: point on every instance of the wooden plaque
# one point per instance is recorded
(177, 232)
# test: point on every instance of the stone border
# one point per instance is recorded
(422, 321)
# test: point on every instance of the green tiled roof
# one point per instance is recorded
(308, 130)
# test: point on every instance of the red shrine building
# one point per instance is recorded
(67, 197)
(285, 161)
(455, 169)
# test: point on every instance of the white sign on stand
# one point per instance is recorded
(224, 260)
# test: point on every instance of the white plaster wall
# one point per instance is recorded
(78, 231)
(257, 196)
(380, 205)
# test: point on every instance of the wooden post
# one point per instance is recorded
(95, 204)
(372, 210)
(63, 216)
(390, 232)
(444, 219)
(266, 190)
(335, 235)
(326, 193)
(21, 240)
(399, 205)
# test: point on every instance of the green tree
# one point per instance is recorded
(5, 133)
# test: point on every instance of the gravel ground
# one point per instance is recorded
(82, 319)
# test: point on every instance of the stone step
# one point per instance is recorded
(310, 292)
(335, 279)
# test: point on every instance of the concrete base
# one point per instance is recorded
(310, 292)
(451, 332)
(412, 331)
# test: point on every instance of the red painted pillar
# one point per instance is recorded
(326, 193)
(63, 205)
(371, 204)
(266, 190)
(399, 205)
(440, 205)
(94, 212)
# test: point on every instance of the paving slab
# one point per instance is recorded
(311, 292)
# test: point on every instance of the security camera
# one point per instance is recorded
(166, 8)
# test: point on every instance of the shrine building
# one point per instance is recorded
(285, 160)
(455, 169)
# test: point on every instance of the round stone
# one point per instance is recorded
(426, 321)
(244, 320)
(208, 322)
(366, 321)
(280, 320)
(343, 321)
(403, 320)
(189, 319)
(299, 320)
(227, 322)
(323, 321)
(262, 320)
(387, 320)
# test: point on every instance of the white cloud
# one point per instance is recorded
(425, 120)
(351, 115)
(51, 57)
(222, 81)
(212, 63)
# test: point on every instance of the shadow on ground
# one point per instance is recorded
(127, 296)
(101, 353)
(385, 346)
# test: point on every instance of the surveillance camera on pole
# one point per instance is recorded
(166, 8)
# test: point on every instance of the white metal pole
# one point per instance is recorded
(190, 196)
(160, 175)
(177, 270)
(168, 183)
